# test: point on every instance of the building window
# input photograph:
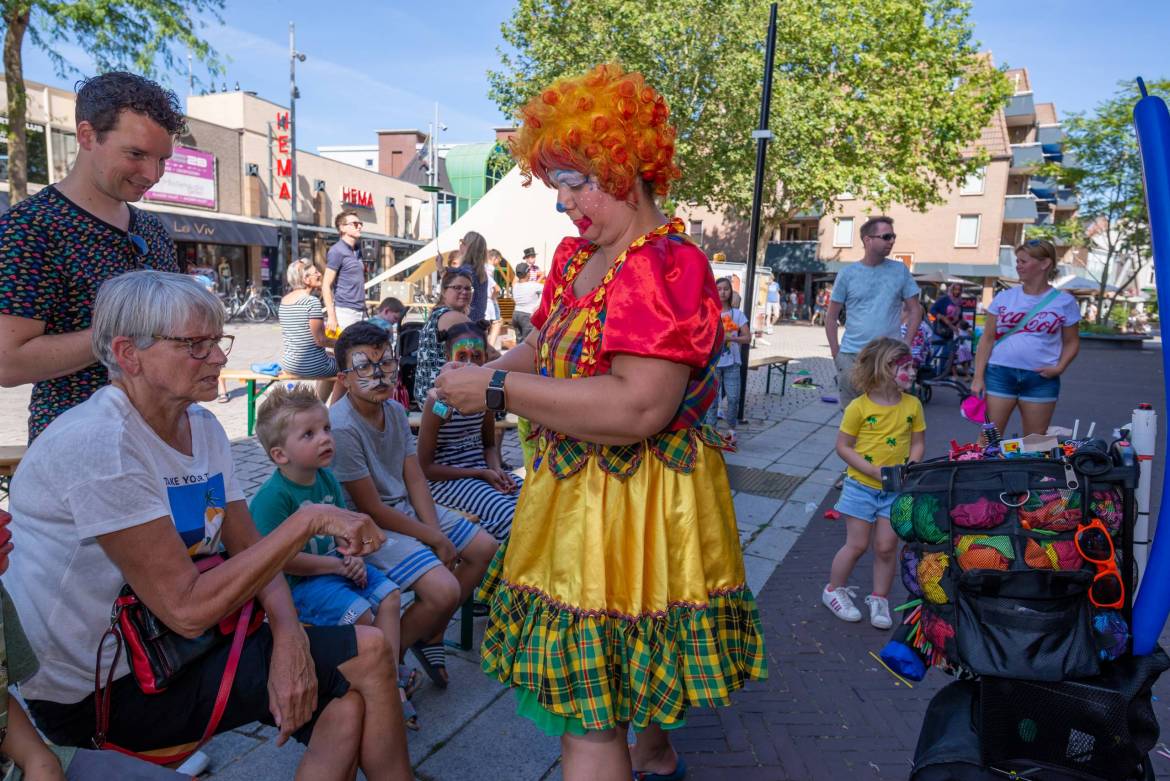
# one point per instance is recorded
(792, 233)
(64, 152)
(369, 162)
(843, 232)
(967, 231)
(696, 231)
(37, 152)
(973, 184)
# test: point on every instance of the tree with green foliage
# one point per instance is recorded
(881, 98)
(137, 35)
(1102, 163)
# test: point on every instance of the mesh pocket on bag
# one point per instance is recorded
(901, 517)
(979, 513)
(1057, 510)
(932, 571)
(983, 551)
(909, 568)
(1106, 504)
(926, 517)
(1056, 555)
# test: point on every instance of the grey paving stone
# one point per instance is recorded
(758, 571)
(824, 476)
(443, 713)
(739, 459)
(834, 462)
(497, 743)
(796, 470)
(773, 542)
(224, 749)
(794, 514)
(265, 761)
(810, 492)
(752, 511)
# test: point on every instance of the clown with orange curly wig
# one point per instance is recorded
(620, 598)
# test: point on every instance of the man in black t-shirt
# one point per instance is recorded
(60, 245)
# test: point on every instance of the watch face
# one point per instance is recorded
(495, 399)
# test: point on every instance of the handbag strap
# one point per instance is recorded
(102, 700)
(1053, 293)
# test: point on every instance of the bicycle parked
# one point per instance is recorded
(256, 307)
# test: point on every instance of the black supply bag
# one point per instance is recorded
(1102, 727)
(1033, 624)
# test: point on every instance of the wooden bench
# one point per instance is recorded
(770, 362)
(256, 384)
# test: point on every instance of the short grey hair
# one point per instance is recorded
(140, 304)
(295, 276)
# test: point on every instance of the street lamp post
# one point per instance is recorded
(293, 94)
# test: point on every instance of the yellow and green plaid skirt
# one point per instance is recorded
(622, 600)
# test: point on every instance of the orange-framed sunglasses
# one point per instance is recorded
(1095, 545)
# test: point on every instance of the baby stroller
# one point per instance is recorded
(935, 371)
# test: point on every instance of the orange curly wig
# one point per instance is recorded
(606, 122)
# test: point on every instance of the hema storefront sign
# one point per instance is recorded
(188, 180)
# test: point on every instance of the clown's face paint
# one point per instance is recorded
(372, 373)
(904, 372)
(578, 196)
(468, 349)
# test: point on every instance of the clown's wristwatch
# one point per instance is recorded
(496, 400)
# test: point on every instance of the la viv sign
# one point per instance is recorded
(352, 196)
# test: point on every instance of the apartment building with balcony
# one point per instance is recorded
(972, 233)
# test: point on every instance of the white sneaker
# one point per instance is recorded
(879, 611)
(840, 601)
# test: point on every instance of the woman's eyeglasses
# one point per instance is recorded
(1095, 545)
(200, 347)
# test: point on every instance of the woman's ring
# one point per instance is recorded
(366, 540)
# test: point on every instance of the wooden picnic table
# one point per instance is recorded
(770, 362)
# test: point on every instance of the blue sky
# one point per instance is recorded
(385, 64)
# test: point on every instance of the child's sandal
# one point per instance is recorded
(433, 659)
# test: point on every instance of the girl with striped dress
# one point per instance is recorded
(458, 454)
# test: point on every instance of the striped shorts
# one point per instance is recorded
(404, 559)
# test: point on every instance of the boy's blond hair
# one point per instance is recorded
(874, 368)
(277, 411)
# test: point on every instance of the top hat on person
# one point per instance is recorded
(530, 252)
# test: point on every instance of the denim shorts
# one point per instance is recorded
(861, 501)
(1023, 384)
(335, 600)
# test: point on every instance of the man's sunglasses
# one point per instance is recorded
(884, 236)
(1095, 545)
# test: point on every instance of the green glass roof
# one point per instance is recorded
(473, 169)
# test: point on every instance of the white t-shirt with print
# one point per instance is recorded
(97, 469)
(733, 320)
(1037, 343)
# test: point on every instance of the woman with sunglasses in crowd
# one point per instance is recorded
(1030, 338)
(624, 545)
(456, 291)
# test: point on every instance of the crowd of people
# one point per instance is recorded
(618, 541)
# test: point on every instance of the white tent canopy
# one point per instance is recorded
(510, 216)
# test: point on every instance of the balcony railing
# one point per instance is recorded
(1019, 209)
(788, 257)
(1025, 157)
(1020, 110)
(1065, 199)
(1043, 187)
(1051, 138)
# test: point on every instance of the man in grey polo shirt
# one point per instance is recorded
(344, 287)
(873, 291)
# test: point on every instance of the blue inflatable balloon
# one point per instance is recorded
(1152, 122)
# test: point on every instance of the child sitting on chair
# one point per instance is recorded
(881, 427)
(437, 553)
(328, 589)
(458, 452)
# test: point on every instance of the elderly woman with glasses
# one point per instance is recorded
(458, 288)
(135, 486)
(302, 328)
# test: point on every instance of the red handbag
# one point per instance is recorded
(157, 655)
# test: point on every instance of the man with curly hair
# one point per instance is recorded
(60, 245)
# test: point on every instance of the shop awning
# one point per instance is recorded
(211, 230)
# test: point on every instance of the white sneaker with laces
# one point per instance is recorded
(840, 601)
(879, 611)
